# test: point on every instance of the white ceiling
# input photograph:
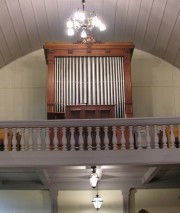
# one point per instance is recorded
(153, 25)
(77, 177)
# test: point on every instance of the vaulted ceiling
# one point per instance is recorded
(153, 25)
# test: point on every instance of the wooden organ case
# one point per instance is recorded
(87, 75)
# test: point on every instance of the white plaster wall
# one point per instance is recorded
(81, 201)
(155, 200)
(23, 87)
(22, 201)
(155, 86)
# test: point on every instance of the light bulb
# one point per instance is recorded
(83, 34)
(69, 24)
(79, 15)
(77, 25)
(102, 27)
(70, 32)
(97, 201)
(93, 179)
(96, 22)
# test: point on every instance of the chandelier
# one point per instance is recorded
(81, 23)
(97, 201)
(93, 178)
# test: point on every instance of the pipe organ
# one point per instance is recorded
(89, 73)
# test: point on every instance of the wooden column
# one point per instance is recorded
(51, 82)
(125, 194)
(128, 84)
(54, 200)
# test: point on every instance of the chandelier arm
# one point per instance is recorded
(83, 4)
(97, 189)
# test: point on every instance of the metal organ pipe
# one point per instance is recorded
(67, 80)
(93, 83)
(123, 88)
(89, 91)
(85, 81)
(89, 80)
(111, 82)
(55, 98)
(97, 81)
(64, 84)
(81, 81)
(114, 84)
(101, 80)
(77, 80)
(73, 82)
(108, 81)
(119, 87)
(60, 61)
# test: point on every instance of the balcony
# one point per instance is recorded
(58, 154)
(91, 141)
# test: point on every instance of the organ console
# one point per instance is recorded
(89, 73)
(89, 111)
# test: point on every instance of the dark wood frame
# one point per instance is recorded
(89, 111)
(94, 48)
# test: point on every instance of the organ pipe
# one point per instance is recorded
(89, 80)
(89, 72)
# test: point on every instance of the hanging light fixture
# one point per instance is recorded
(97, 201)
(93, 178)
(81, 23)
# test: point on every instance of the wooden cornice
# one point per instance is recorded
(58, 49)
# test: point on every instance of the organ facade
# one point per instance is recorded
(89, 73)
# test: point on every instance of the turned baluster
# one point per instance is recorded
(64, 139)
(47, 140)
(6, 139)
(22, 141)
(139, 138)
(89, 138)
(114, 138)
(123, 140)
(131, 138)
(81, 141)
(98, 140)
(30, 141)
(148, 138)
(39, 142)
(156, 138)
(55, 140)
(72, 139)
(164, 138)
(172, 136)
(106, 139)
(14, 140)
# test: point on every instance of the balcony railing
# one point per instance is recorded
(91, 134)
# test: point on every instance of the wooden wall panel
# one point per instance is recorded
(30, 24)
(166, 28)
(20, 29)
(9, 32)
(41, 20)
(153, 25)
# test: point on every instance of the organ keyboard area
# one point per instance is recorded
(91, 77)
